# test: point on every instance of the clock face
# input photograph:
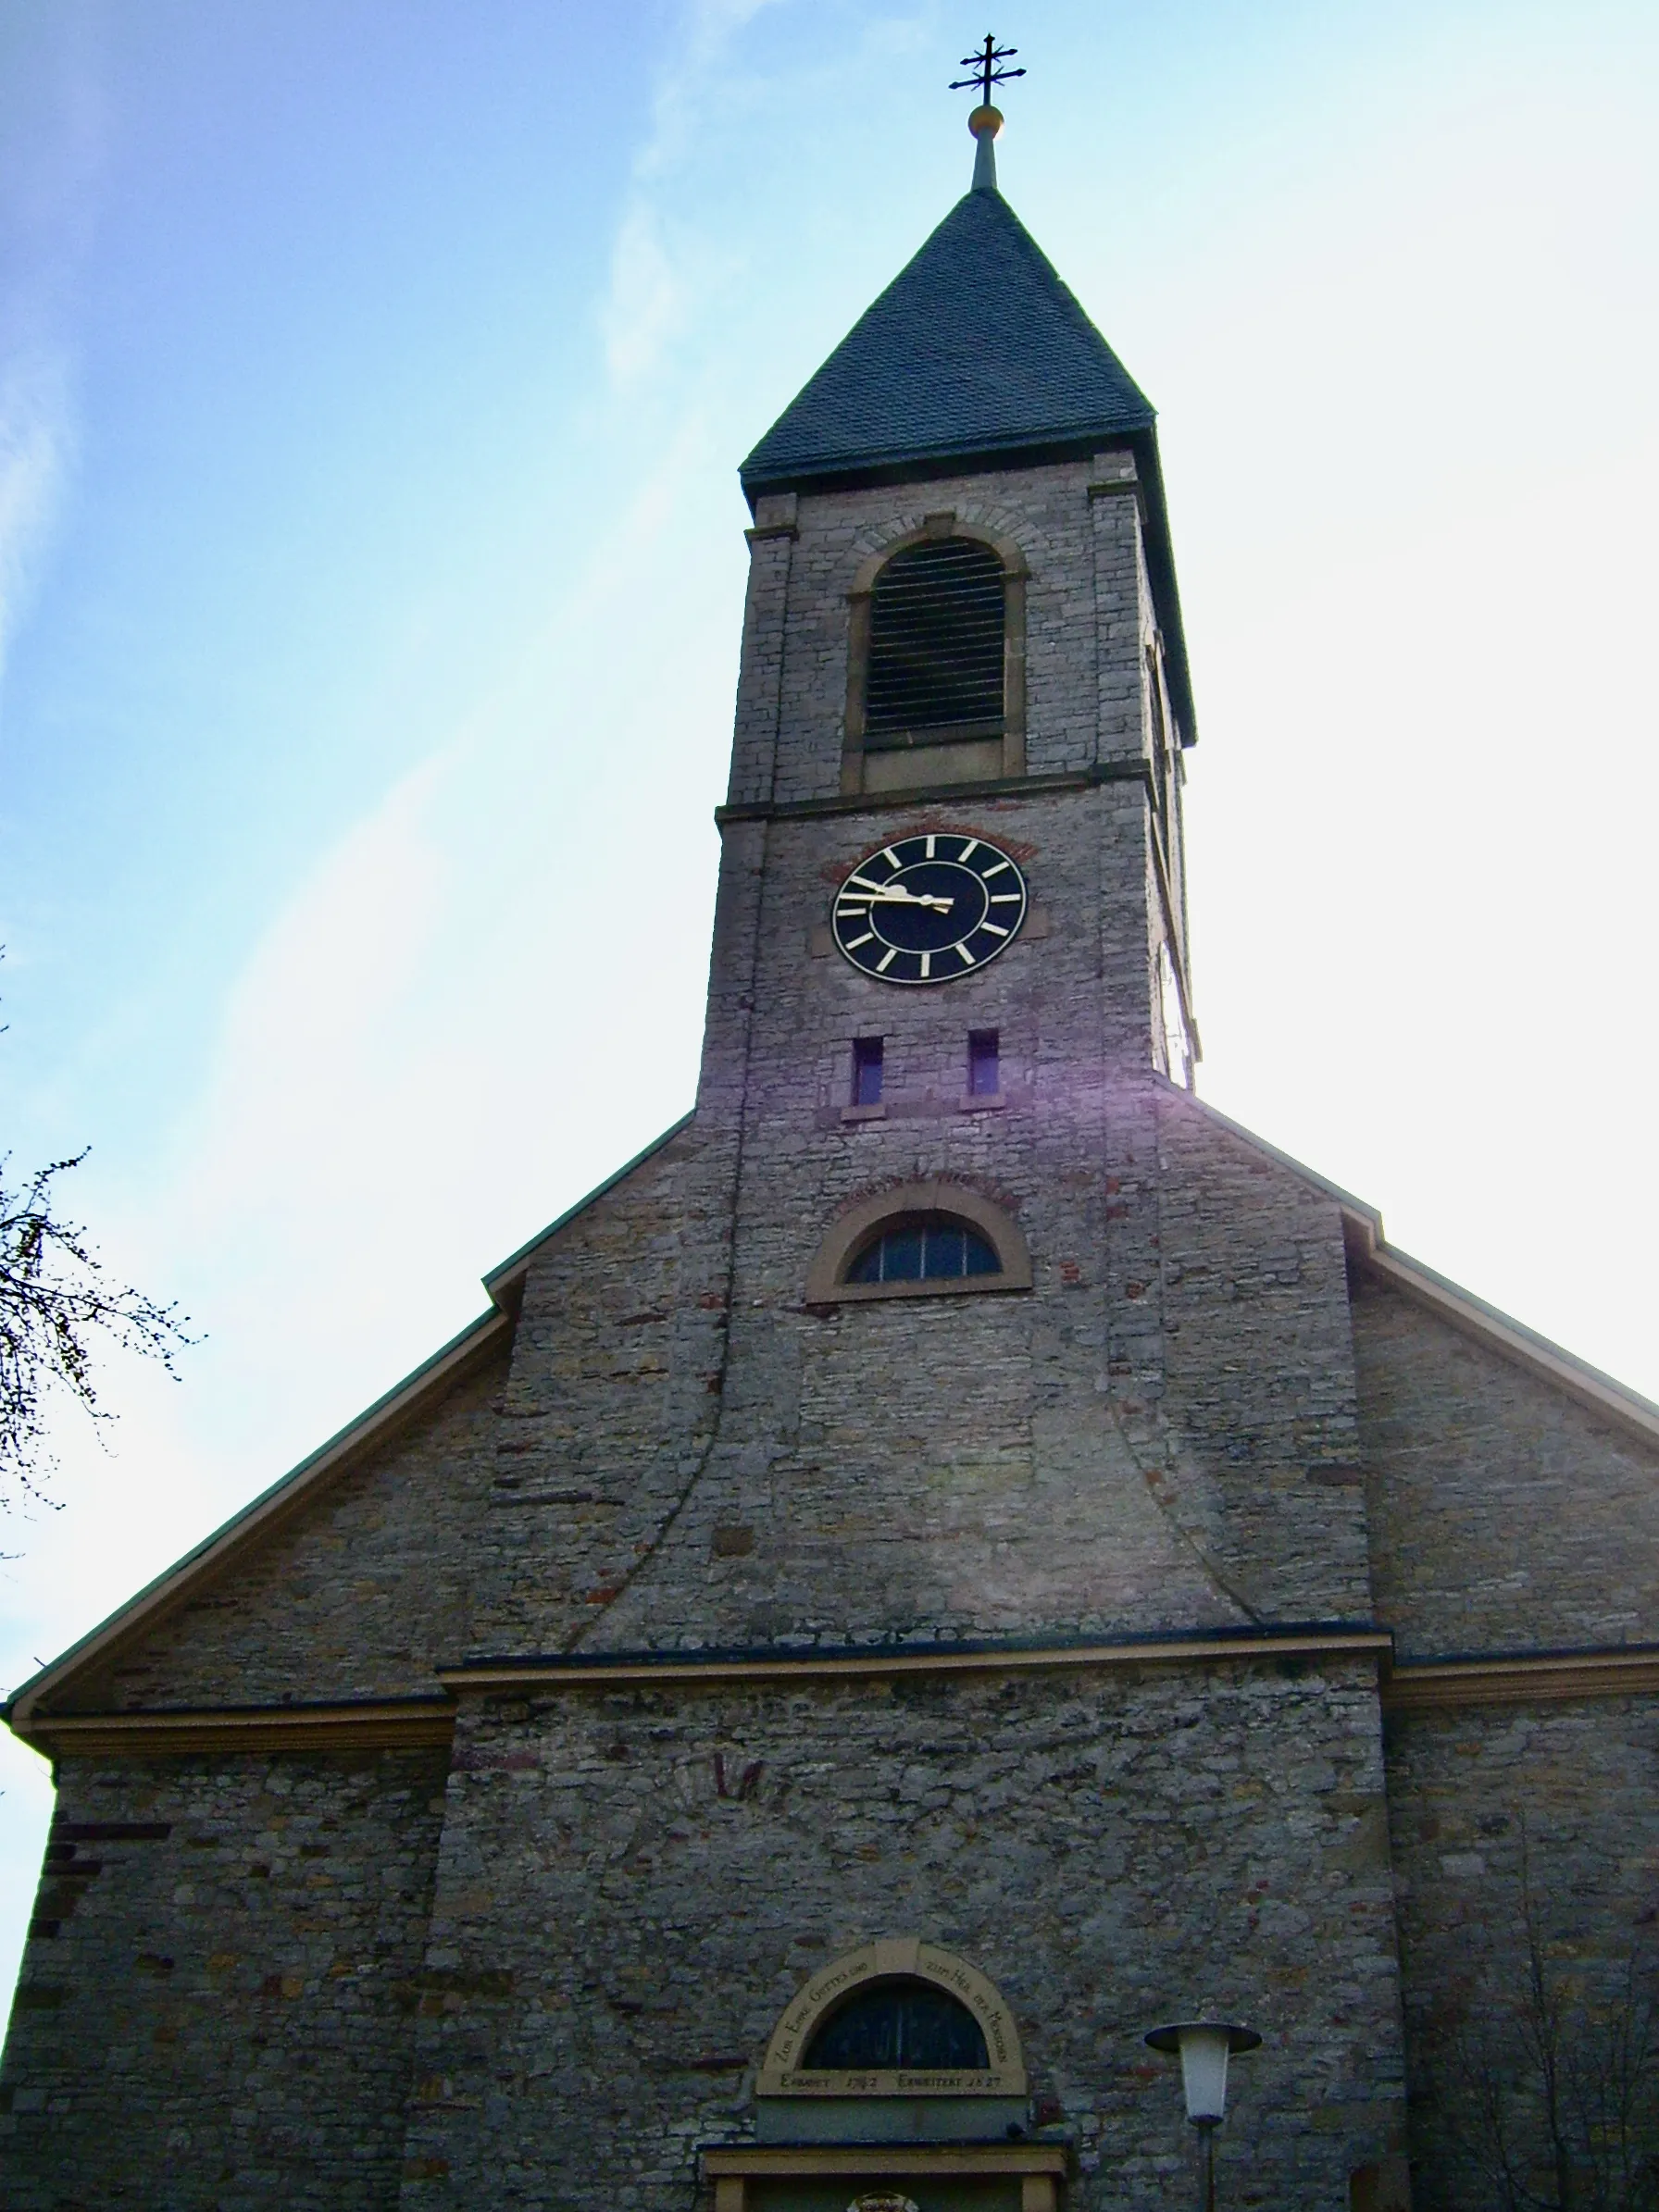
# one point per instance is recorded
(928, 909)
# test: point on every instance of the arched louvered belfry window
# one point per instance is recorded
(937, 625)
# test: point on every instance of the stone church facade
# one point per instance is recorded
(957, 1542)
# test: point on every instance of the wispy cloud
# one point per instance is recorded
(54, 134)
(656, 264)
(37, 436)
(647, 299)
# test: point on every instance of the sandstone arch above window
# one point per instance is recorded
(936, 661)
(966, 2018)
(920, 1205)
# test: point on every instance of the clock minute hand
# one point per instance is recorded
(899, 897)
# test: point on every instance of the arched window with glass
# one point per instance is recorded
(926, 1239)
(905, 2022)
(923, 1247)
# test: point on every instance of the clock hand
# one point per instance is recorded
(898, 897)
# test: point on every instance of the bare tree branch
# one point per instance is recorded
(1551, 2095)
(58, 1310)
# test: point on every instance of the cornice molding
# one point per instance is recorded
(1521, 1678)
(395, 1724)
(832, 2160)
(941, 794)
(415, 1723)
(603, 1672)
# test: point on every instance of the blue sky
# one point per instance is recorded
(373, 376)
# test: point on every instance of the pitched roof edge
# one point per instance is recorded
(1165, 588)
(886, 465)
(272, 1505)
(1591, 1386)
(510, 1274)
(1346, 1199)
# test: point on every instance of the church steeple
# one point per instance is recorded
(977, 358)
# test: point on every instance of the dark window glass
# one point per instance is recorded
(936, 644)
(924, 1248)
(980, 1259)
(901, 1254)
(867, 1071)
(908, 2024)
(984, 1064)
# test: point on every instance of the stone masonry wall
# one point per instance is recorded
(1483, 1806)
(1261, 1389)
(217, 2011)
(618, 1363)
(635, 1882)
(1504, 1515)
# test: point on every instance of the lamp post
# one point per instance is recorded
(1205, 2047)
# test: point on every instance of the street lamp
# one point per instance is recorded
(1205, 2047)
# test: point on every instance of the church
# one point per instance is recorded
(956, 1558)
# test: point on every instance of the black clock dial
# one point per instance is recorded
(927, 909)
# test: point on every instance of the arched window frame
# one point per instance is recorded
(825, 1285)
(921, 766)
(782, 2073)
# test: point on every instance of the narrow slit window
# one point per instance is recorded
(984, 1064)
(867, 1071)
(938, 615)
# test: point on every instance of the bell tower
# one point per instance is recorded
(962, 597)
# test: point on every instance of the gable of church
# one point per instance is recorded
(1504, 1512)
(360, 1593)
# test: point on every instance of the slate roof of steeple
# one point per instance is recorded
(976, 348)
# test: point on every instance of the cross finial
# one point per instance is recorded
(985, 71)
(986, 120)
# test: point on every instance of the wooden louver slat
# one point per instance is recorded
(936, 619)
